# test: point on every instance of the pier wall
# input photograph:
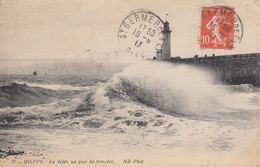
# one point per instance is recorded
(232, 69)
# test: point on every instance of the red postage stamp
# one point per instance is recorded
(217, 27)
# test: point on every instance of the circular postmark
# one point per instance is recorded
(221, 28)
(140, 33)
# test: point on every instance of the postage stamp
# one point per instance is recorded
(140, 33)
(221, 28)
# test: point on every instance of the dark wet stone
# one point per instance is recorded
(4, 154)
(130, 112)
(111, 109)
(138, 114)
(141, 123)
(159, 123)
(128, 122)
(159, 116)
(93, 123)
(117, 118)
(170, 125)
(113, 127)
(138, 123)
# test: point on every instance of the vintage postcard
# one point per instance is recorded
(120, 83)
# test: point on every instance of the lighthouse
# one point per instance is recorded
(165, 52)
(166, 48)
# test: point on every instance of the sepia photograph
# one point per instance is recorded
(120, 83)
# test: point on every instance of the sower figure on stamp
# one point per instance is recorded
(219, 39)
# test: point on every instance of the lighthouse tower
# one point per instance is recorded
(165, 52)
(166, 47)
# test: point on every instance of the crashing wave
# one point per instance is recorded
(172, 89)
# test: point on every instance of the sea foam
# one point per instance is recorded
(172, 88)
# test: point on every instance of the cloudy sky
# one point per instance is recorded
(33, 31)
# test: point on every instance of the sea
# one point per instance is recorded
(148, 114)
